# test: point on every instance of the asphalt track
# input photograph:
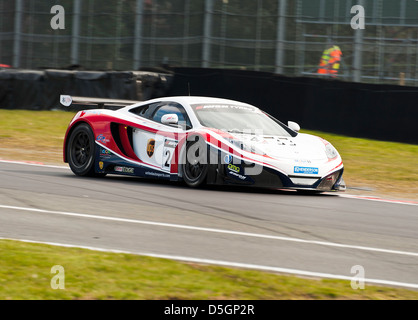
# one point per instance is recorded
(312, 235)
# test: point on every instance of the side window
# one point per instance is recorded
(142, 111)
(172, 108)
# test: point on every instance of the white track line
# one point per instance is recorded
(34, 163)
(233, 264)
(213, 230)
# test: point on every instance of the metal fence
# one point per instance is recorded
(280, 36)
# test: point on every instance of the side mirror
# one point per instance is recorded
(170, 118)
(293, 125)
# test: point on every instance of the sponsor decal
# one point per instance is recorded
(150, 147)
(233, 168)
(170, 143)
(101, 138)
(124, 169)
(104, 153)
(226, 106)
(240, 176)
(170, 118)
(168, 153)
(305, 170)
(228, 158)
(302, 161)
(101, 165)
(93, 112)
(156, 174)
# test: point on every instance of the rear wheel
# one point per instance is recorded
(195, 166)
(80, 150)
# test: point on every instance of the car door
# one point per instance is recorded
(156, 147)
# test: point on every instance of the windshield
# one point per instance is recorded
(239, 119)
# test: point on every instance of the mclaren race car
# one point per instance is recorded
(198, 140)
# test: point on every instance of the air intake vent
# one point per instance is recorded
(122, 135)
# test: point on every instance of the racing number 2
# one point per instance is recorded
(168, 151)
(167, 158)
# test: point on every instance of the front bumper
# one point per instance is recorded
(269, 178)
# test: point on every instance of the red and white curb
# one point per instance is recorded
(373, 198)
(33, 163)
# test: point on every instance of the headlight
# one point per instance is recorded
(330, 151)
(328, 182)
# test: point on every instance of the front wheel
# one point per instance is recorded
(80, 150)
(195, 166)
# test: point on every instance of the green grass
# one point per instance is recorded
(387, 168)
(25, 273)
(37, 128)
(33, 135)
(25, 268)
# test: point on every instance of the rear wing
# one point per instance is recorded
(94, 103)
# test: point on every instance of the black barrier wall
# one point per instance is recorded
(381, 112)
(40, 90)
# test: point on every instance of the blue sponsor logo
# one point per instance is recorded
(228, 158)
(106, 152)
(306, 170)
(101, 138)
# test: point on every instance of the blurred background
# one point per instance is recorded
(286, 37)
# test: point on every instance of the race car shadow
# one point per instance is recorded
(212, 188)
(260, 190)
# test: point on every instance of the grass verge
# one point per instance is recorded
(371, 167)
(25, 269)
(377, 167)
(25, 274)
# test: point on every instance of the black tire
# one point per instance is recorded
(81, 150)
(195, 167)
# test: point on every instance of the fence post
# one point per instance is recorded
(138, 34)
(17, 33)
(207, 31)
(281, 34)
(75, 32)
(358, 51)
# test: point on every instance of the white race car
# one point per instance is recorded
(199, 140)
